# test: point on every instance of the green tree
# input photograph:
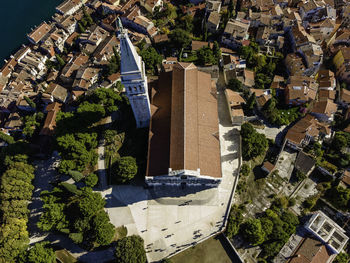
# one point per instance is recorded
(130, 250)
(251, 101)
(205, 56)
(151, 58)
(231, 8)
(41, 253)
(252, 231)
(180, 38)
(245, 170)
(104, 230)
(186, 23)
(91, 180)
(235, 85)
(216, 50)
(342, 258)
(339, 142)
(253, 143)
(126, 169)
(60, 61)
(234, 221)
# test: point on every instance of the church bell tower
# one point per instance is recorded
(134, 79)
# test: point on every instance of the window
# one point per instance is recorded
(135, 89)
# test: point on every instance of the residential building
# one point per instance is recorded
(213, 22)
(311, 250)
(85, 78)
(300, 90)
(69, 7)
(344, 98)
(234, 103)
(304, 163)
(327, 231)
(90, 41)
(236, 33)
(267, 167)
(69, 70)
(150, 5)
(213, 6)
(294, 64)
(326, 80)
(305, 130)
(342, 62)
(324, 110)
(39, 33)
(104, 52)
(56, 92)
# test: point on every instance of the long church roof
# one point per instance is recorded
(185, 125)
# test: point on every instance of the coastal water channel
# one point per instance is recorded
(17, 17)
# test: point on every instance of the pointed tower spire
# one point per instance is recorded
(134, 79)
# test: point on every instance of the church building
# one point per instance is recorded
(184, 146)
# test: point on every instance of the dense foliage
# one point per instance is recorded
(40, 253)
(234, 221)
(235, 85)
(130, 250)
(126, 169)
(77, 212)
(180, 38)
(277, 115)
(151, 58)
(253, 143)
(76, 136)
(15, 192)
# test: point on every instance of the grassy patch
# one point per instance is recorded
(64, 256)
(120, 232)
(208, 251)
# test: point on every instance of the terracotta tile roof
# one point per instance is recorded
(38, 33)
(186, 120)
(160, 38)
(50, 121)
(327, 107)
(324, 95)
(346, 178)
(306, 126)
(345, 95)
(199, 44)
(258, 92)
(268, 166)
(159, 139)
(249, 78)
(310, 250)
(261, 101)
(233, 97)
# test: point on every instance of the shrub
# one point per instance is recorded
(77, 176)
(91, 180)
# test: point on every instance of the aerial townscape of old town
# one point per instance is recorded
(183, 131)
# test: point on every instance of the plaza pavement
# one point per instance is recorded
(170, 219)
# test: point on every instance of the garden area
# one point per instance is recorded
(212, 250)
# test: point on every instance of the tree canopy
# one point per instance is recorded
(126, 169)
(253, 143)
(130, 250)
(41, 253)
(180, 38)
